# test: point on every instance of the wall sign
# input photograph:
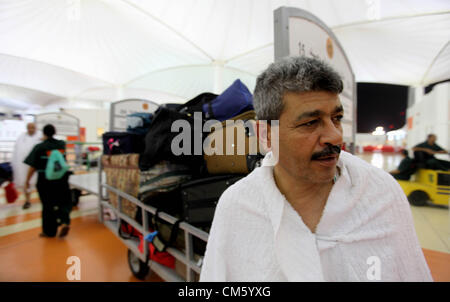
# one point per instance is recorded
(65, 124)
(120, 109)
(298, 32)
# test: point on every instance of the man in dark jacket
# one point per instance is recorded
(54, 194)
(424, 154)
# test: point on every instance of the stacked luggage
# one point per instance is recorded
(122, 173)
(141, 162)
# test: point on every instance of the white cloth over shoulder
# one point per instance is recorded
(22, 148)
(366, 232)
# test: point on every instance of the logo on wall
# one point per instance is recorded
(330, 48)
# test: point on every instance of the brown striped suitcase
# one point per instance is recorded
(232, 148)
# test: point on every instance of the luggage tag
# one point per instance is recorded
(153, 239)
(151, 236)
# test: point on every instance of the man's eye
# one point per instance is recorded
(310, 123)
(338, 118)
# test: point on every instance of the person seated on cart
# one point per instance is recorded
(406, 168)
(424, 154)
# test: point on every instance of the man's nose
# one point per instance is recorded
(331, 134)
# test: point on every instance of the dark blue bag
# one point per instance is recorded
(233, 101)
(5, 172)
(122, 143)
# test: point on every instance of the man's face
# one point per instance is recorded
(309, 134)
(31, 129)
(432, 140)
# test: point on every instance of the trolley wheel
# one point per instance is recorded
(418, 198)
(137, 267)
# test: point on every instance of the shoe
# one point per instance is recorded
(64, 231)
(26, 205)
(43, 235)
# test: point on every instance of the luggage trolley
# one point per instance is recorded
(140, 264)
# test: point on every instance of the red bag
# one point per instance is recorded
(163, 258)
(11, 193)
(128, 229)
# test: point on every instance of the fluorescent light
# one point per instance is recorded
(379, 131)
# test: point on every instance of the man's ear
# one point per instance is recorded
(264, 135)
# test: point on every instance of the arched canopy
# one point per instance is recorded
(92, 51)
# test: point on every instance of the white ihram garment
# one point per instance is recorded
(22, 148)
(256, 235)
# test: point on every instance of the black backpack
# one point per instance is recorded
(158, 140)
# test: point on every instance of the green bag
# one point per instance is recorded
(56, 166)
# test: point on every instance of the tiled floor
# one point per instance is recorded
(103, 257)
(26, 257)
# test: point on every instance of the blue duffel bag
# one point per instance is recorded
(233, 101)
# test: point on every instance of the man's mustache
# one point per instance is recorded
(329, 150)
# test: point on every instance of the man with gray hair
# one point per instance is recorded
(316, 213)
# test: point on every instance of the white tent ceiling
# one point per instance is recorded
(82, 51)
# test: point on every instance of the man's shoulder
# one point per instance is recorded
(422, 145)
(353, 161)
(373, 183)
(54, 144)
(360, 170)
(245, 190)
(436, 147)
(39, 146)
(62, 143)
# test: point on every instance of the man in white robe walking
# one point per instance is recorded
(316, 213)
(24, 144)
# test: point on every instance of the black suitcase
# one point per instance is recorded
(122, 143)
(199, 197)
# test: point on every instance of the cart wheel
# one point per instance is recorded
(75, 196)
(418, 198)
(137, 267)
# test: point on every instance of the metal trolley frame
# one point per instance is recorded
(186, 256)
(118, 112)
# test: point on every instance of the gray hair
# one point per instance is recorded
(292, 74)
